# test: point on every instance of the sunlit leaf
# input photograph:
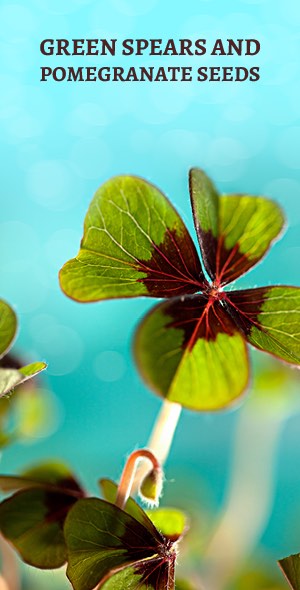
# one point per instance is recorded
(171, 522)
(291, 569)
(265, 578)
(8, 326)
(6, 438)
(108, 548)
(109, 490)
(270, 319)
(32, 519)
(190, 352)
(30, 413)
(140, 577)
(185, 585)
(9, 378)
(34, 413)
(235, 231)
(134, 244)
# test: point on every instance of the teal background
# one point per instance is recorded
(59, 142)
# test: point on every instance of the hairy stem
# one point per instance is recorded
(161, 439)
(127, 477)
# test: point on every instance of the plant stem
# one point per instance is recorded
(127, 477)
(161, 439)
(250, 497)
(164, 429)
(10, 579)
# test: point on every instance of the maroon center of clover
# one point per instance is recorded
(214, 292)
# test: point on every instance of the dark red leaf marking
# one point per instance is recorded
(199, 316)
(58, 506)
(11, 361)
(58, 503)
(208, 246)
(174, 268)
(222, 264)
(152, 557)
(159, 572)
(245, 306)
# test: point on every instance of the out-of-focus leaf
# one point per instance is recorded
(265, 578)
(35, 413)
(109, 549)
(6, 439)
(9, 378)
(291, 569)
(32, 519)
(11, 374)
(185, 585)
(8, 326)
(32, 412)
(171, 522)
(275, 389)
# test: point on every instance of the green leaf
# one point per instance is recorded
(8, 327)
(291, 569)
(34, 412)
(134, 578)
(184, 585)
(10, 378)
(171, 522)
(234, 232)
(189, 351)
(270, 319)
(134, 244)
(107, 546)
(205, 207)
(109, 491)
(32, 519)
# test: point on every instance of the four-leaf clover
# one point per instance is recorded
(192, 348)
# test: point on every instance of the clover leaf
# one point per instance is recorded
(10, 377)
(113, 548)
(290, 567)
(32, 519)
(192, 348)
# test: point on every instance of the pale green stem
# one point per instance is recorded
(161, 439)
(249, 500)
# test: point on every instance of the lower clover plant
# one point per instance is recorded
(12, 374)
(109, 543)
(191, 350)
(290, 567)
